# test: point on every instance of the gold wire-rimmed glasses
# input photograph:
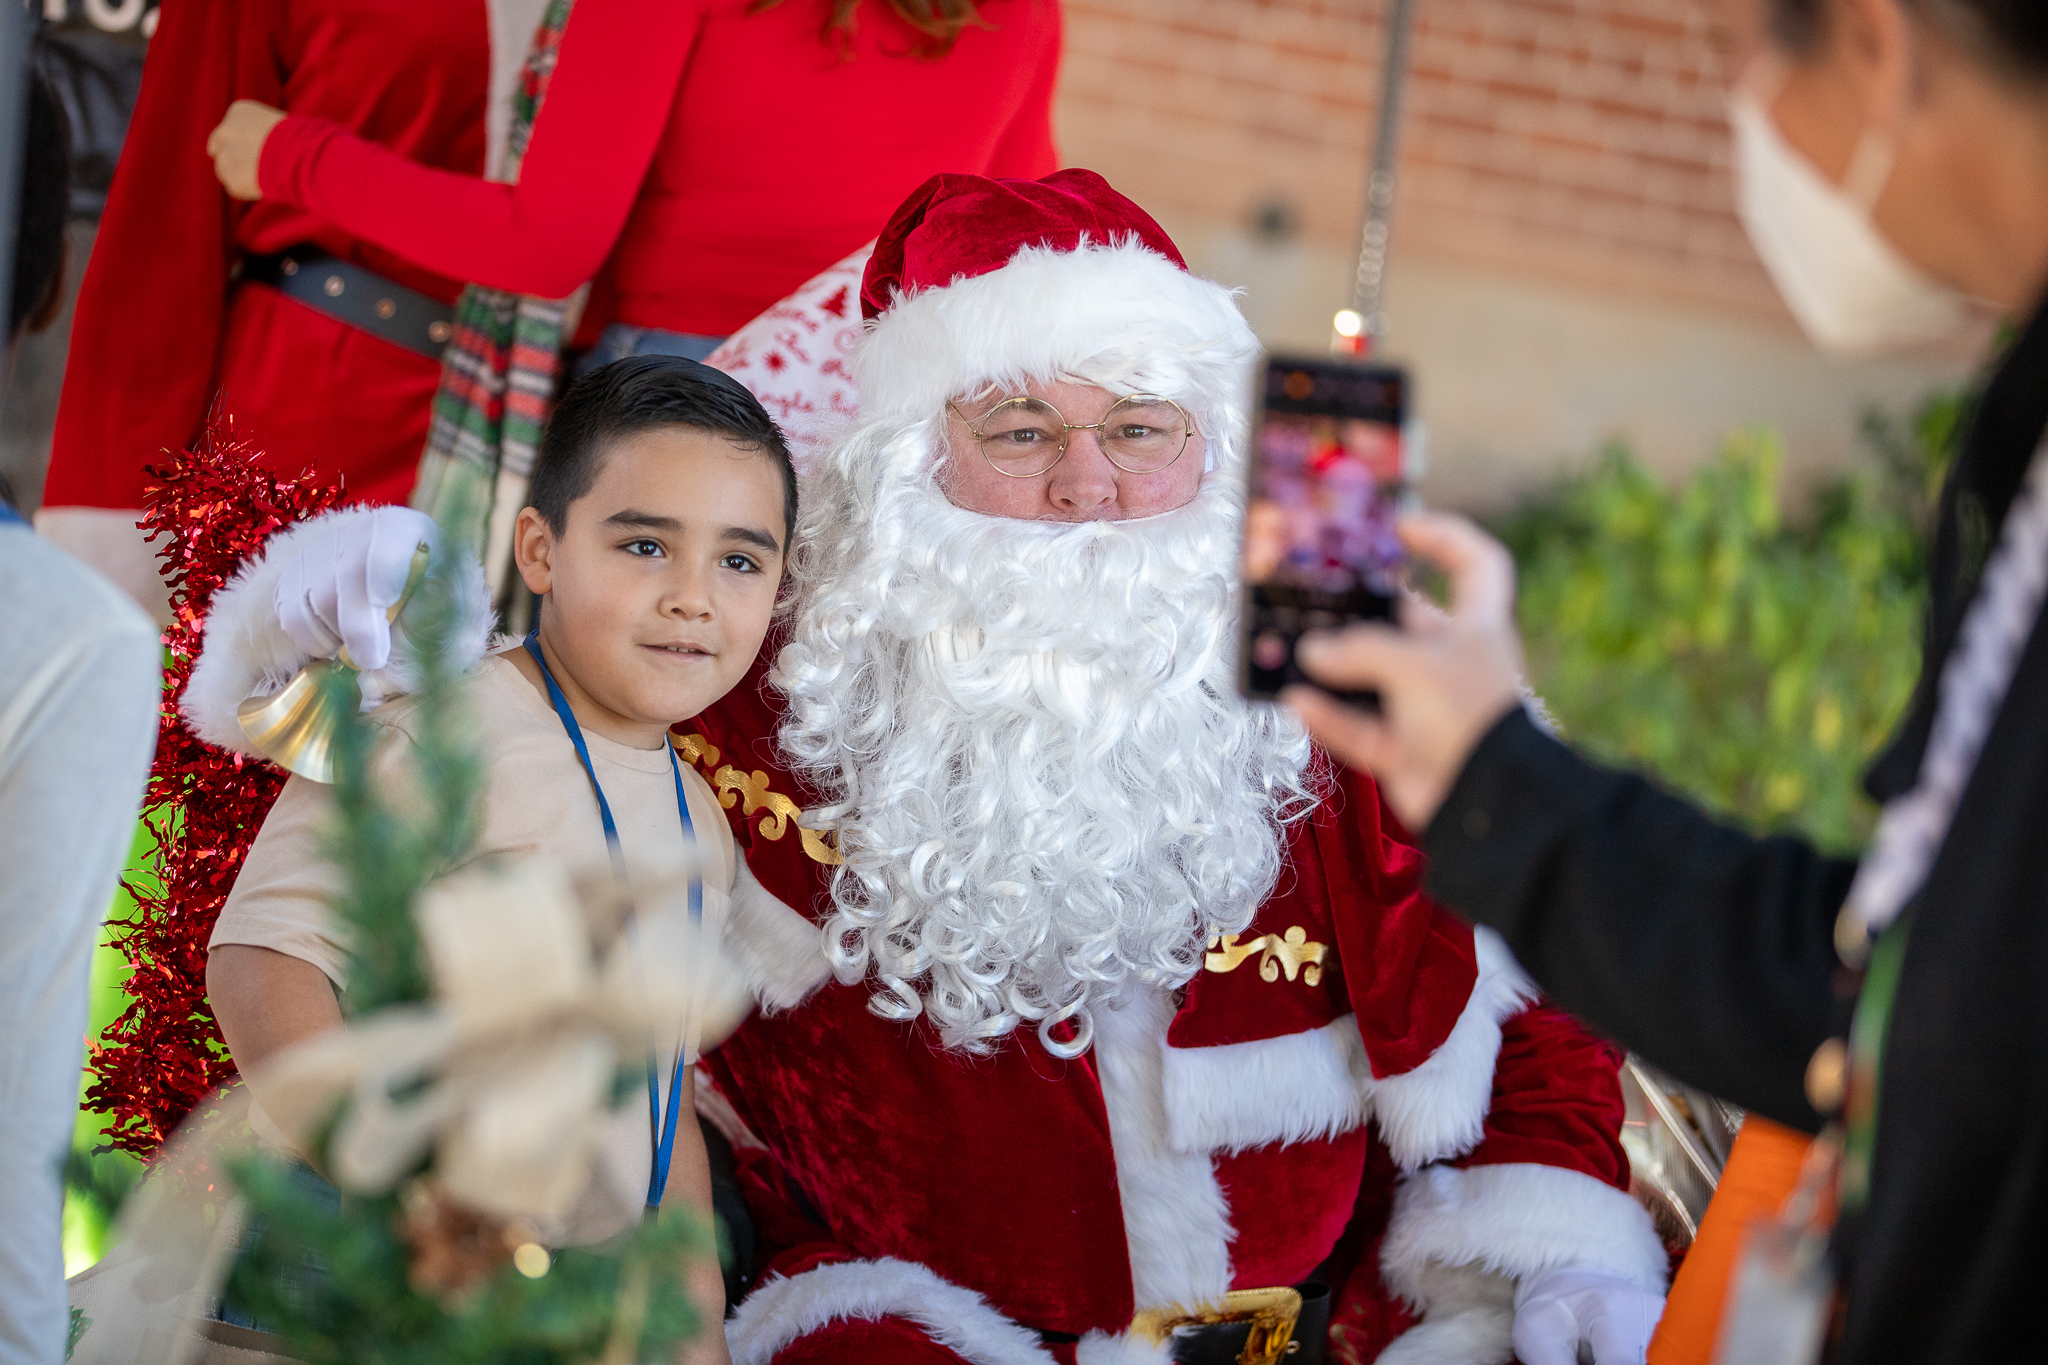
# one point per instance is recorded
(1023, 437)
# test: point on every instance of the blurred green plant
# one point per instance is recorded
(98, 1176)
(1748, 660)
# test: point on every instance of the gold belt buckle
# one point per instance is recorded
(1271, 1312)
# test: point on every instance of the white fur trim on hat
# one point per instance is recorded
(786, 1309)
(245, 652)
(1047, 313)
(1516, 1220)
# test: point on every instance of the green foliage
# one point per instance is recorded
(95, 1183)
(1749, 662)
(618, 1305)
(79, 1322)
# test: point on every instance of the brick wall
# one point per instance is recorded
(1581, 141)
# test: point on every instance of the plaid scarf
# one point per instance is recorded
(499, 370)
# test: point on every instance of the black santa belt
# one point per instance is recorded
(361, 298)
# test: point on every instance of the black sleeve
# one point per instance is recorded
(1705, 949)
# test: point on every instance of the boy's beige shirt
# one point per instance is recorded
(536, 802)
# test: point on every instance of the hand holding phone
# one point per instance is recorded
(1328, 475)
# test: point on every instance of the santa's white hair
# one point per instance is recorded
(1028, 733)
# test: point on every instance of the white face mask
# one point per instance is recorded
(1852, 292)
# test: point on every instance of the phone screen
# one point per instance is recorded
(1327, 480)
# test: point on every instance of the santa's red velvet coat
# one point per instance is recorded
(1354, 1078)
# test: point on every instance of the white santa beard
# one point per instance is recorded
(1046, 784)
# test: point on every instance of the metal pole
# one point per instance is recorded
(1360, 326)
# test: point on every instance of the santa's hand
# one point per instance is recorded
(337, 591)
(1443, 679)
(1563, 1317)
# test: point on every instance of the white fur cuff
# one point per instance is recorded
(779, 954)
(1439, 1109)
(786, 1309)
(1515, 1220)
(246, 652)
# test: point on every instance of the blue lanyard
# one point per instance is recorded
(8, 514)
(664, 1126)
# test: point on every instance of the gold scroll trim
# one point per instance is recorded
(1290, 952)
(778, 813)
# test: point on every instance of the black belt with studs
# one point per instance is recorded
(361, 298)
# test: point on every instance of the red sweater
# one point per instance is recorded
(156, 336)
(708, 159)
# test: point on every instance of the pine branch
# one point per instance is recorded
(386, 859)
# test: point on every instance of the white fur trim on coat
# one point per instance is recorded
(1100, 1348)
(786, 1309)
(1515, 1220)
(1318, 1083)
(246, 652)
(778, 953)
(1176, 1219)
(1471, 1320)
(1048, 313)
(1438, 1110)
(1294, 1088)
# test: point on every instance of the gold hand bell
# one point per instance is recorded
(295, 729)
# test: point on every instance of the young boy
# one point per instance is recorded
(662, 505)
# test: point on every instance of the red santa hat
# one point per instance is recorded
(976, 281)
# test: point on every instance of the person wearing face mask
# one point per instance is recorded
(1893, 162)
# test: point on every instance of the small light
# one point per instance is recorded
(531, 1260)
(1348, 322)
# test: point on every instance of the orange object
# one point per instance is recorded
(1763, 1167)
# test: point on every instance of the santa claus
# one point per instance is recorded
(1104, 996)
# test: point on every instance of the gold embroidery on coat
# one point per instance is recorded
(754, 790)
(819, 844)
(733, 787)
(695, 749)
(1291, 953)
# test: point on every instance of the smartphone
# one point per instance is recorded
(1328, 477)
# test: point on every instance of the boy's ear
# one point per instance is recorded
(533, 551)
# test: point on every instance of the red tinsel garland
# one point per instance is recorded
(214, 505)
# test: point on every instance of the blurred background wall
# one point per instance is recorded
(1566, 265)
(1566, 268)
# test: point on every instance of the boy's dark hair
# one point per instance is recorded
(643, 393)
(45, 203)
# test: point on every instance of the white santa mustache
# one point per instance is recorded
(1046, 785)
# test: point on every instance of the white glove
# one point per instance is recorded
(1566, 1316)
(336, 590)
